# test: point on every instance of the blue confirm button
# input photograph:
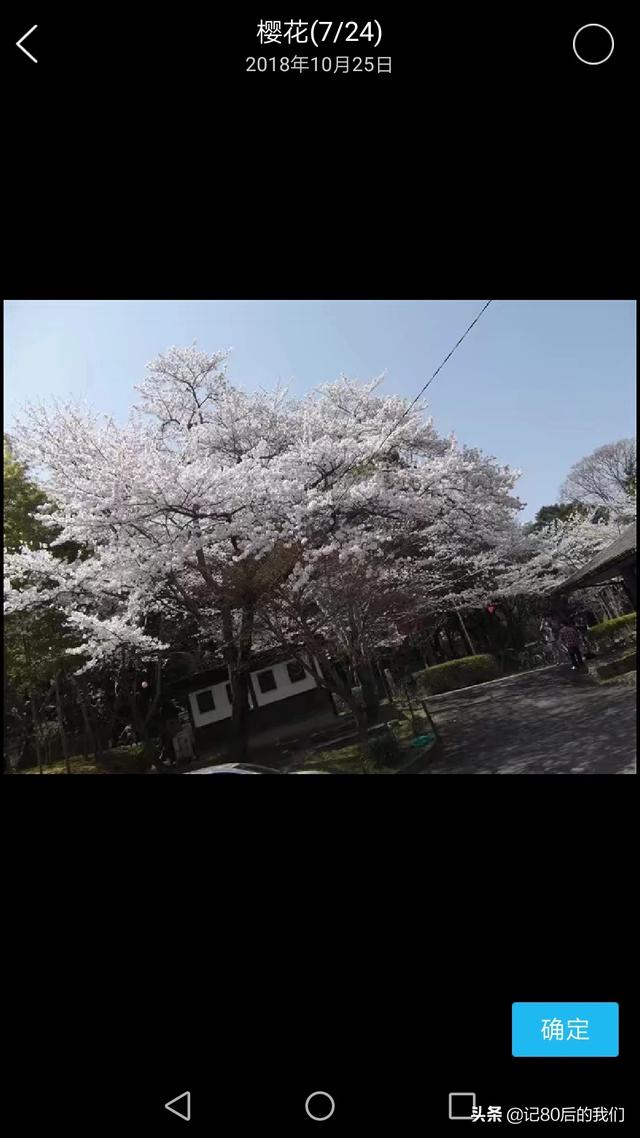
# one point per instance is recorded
(557, 1031)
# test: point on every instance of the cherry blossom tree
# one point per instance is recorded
(538, 561)
(232, 506)
(410, 550)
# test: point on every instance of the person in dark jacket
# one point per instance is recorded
(570, 639)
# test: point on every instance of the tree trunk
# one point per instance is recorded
(414, 722)
(63, 737)
(238, 660)
(34, 713)
(113, 715)
(138, 722)
(327, 676)
(98, 739)
(363, 737)
(387, 685)
(89, 739)
(88, 745)
(369, 689)
(149, 718)
(466, 636)
(625, 593)
(604, 606)
(36, 730)
(239, 714)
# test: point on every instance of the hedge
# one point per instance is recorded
(610, 627)
(460, 673)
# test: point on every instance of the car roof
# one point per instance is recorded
(234, 768)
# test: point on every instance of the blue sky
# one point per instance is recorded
(538, 384)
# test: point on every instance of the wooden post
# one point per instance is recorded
(430, 720)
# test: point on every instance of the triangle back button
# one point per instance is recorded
(181, 1105)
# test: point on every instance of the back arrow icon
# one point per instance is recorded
(185, 1101)
(19, 43)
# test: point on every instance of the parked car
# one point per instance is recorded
(234, 768)
(246, 768)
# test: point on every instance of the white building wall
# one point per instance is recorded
(222, 705)
(285, 687)
(222, 710)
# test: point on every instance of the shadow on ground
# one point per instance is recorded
(550, 721)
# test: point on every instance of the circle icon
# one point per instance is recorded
(595, 44)
(320, 1106)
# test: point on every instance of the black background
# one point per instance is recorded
(364, 939)
(254, 944)
(143, 157)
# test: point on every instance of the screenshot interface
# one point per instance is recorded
(281, 498)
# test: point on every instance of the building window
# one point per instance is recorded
(229, 693)
(296, 672)
(266, 680)
(205, 702)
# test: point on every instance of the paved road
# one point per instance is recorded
(543, 722)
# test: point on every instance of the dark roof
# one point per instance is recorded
(202, 679)
(605, 564)
(219, 673)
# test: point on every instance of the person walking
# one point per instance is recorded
(570, 639)
(548, 638)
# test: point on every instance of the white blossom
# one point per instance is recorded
(213, 498)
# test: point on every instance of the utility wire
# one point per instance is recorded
(430, 381)
(420, 393)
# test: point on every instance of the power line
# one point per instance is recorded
(429, 381)
(420, 393)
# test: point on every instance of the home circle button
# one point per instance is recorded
(320, 1106)
(593, 44)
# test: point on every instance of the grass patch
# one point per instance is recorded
(344, 761)
(78, 764)
(119, 760)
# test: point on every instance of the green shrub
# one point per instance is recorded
(458, 674)
(135, 759)
(609, 628)
(384, 751)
